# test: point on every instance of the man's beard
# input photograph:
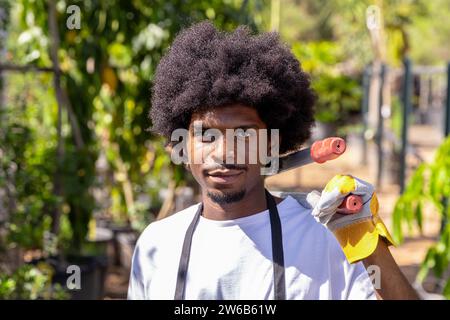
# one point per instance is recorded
(226, 197)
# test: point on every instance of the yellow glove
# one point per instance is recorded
(357, 233)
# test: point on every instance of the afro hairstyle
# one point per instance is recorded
(205, 68)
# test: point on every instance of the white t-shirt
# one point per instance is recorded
(232, 259)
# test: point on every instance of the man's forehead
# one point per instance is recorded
(232, 116)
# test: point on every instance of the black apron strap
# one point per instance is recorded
(185, 253)
(277, 252)
(277, 249)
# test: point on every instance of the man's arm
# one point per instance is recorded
(394, 285)
(362, 235)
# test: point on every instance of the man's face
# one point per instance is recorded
(224, 176)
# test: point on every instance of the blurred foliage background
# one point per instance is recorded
(74, 145)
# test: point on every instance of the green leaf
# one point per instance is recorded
(119, 55)
(426, 265)
(419, 215)
(446, 291)
(397, 217)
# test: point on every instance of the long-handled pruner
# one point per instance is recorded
(320, 152)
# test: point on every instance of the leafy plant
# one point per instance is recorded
(338, 97)
(30, 282)
(338, 94)
(107, 68)
(26, 168)
(430, 184)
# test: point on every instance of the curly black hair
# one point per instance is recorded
(206, 68)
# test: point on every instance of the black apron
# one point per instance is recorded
(277, 252)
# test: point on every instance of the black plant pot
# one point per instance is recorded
(391, 172)
(126, 242)
(117, 231)
(123, 242)
(92, 275)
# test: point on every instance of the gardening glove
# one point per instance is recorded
(357, 233)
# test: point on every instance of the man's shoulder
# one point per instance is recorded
(321, 243)
(297, 205)
(310, 228)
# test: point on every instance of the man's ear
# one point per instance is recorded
(179, 152)
(168, 147)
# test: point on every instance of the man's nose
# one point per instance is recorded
(223, 151)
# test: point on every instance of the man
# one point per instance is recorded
(241, 242)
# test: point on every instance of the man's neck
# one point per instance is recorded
(253, 202)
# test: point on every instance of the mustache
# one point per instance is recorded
(224, 166)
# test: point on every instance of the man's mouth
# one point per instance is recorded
(224, 176)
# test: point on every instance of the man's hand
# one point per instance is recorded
(357, 233)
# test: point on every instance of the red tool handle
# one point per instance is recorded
(329, 149)
(351, 204)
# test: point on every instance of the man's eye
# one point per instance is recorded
(208, 137)
(243, 134)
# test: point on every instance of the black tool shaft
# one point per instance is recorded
(295, 160)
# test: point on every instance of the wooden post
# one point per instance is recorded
(447, 104)
(445, 201)
(380, 127)
(57, 179)
(275, 9)
(406, 104)
(365, 112)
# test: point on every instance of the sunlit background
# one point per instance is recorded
(81, 176)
